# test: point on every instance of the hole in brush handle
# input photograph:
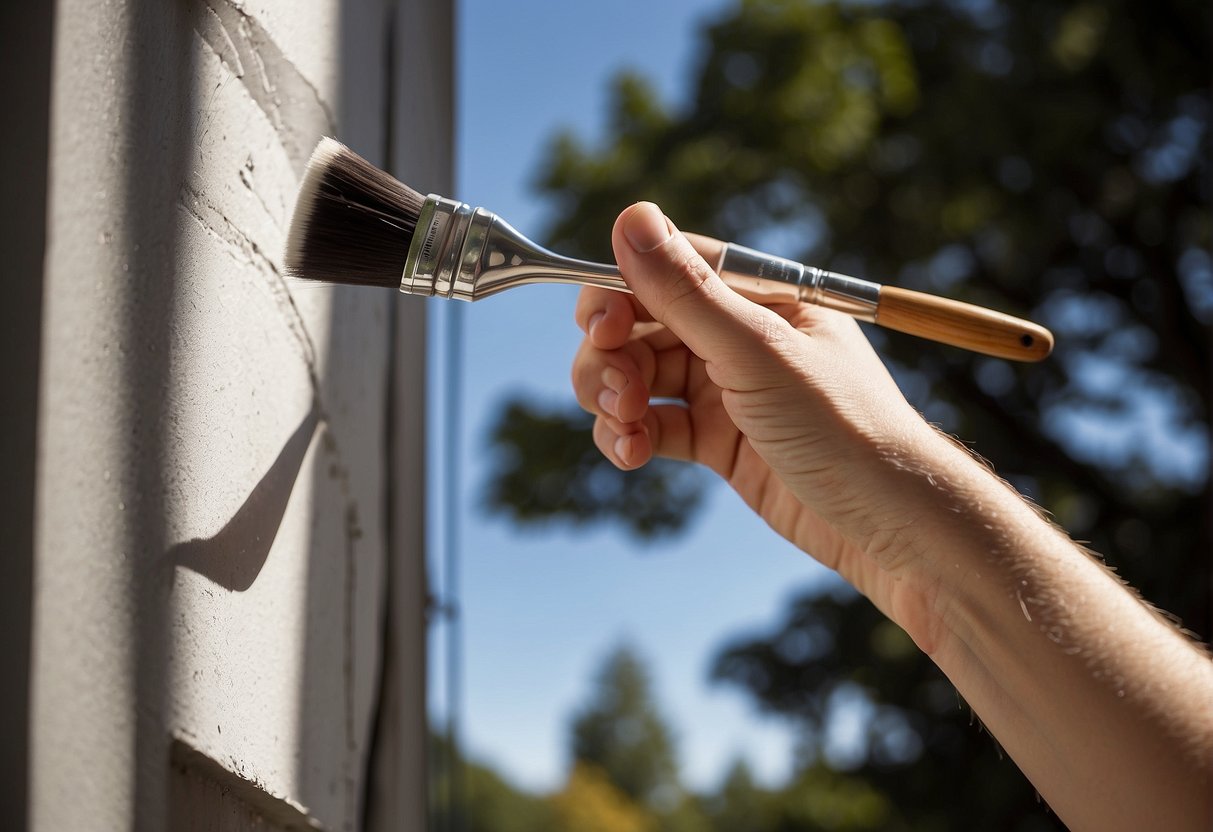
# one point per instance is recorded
(962, 325)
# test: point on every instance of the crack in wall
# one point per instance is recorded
(298, 114)
(240, 247)
(246, 179)
(352, 528)
(236, 244)
(289, 100)
(353, 532)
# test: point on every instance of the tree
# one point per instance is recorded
(739, 805)
(920, 761)
(1044, 157)
(1040, 157)
(546, 468)
(621, 733)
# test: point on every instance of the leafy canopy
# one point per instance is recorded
(1044, 157)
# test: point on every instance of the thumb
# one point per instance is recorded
(678, 288)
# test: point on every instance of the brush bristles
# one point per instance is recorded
(353, 223)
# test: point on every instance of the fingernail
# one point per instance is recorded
(646, 227)
(608, 400)
(623, 448)
(615, 379)
(594, 319)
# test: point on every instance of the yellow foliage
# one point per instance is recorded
(589, 803)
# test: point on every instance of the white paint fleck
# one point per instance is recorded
(1023, 606)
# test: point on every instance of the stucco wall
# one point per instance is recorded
(211, 539)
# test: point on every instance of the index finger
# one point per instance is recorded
(614, 327)
(607, 316)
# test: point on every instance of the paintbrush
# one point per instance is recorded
(354, 223)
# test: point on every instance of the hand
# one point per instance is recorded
(790, 405)
(1101, 703)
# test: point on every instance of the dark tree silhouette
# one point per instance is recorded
(1045, 157)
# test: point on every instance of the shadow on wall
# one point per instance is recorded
(164, 100)
(233, 557)
(156, 118)
(341, 643)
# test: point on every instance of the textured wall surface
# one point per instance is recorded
(213, 467)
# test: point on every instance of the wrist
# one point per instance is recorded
(947, 536)
(917, 482)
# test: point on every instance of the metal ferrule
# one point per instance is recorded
(768, 279)
(468, 253)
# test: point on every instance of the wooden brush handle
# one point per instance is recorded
(962, 325)
(927, 316)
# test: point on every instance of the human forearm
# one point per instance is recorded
(1104, 706)
(1102, 703)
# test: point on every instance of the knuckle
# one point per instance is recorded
(590, 301)
(689, 275)
(581, 376)
(604, 439)
(587, 403)
(771, 330)
(587, 398)
(635, 359)
(645, 360)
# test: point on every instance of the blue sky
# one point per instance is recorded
(540, 609)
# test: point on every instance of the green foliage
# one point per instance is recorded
(494, 805)
(740, 805)
(687, 816)
(1045, 157)
(820, 798)
(481, 800)
(620, 732)
(919, 762)
(622, 775)
(595, 797)
(547, 468)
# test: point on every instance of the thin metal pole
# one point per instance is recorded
(454, 425)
